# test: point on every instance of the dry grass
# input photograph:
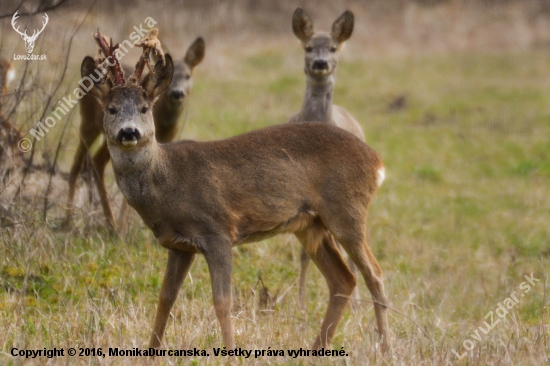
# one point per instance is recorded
(460, 220)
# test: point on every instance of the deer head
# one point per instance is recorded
(29, 40)
(321, 48)
(127, 105)
(183, 71)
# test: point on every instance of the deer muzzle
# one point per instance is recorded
(128, 136)
(320, 65)
(177, 95)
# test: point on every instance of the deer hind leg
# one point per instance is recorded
(87, 175)
(86, 140)
(100, 160)
(340, 280)
(354, 304)
(359, 251)
(305, 260)
(176, 269)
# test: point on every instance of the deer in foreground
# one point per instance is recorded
(321, 58)
(313, 180)
(166, 113)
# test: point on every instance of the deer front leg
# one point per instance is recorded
(218, 257)
(176, 269)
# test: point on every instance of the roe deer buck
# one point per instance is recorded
(166, 113)
(310, 179)
(321, 59)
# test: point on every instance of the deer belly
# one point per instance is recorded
(302, 220)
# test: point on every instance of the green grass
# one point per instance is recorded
(461, 218)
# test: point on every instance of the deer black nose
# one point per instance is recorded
(128, 135)
(176, 94)
(320, 64)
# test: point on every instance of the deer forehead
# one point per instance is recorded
(180, 67)
(127, 97)
(321, 40)
(181, 70)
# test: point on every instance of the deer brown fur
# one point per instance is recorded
(310, 179)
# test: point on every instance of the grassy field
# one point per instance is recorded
(462, 217)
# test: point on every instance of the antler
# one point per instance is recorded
(150, 44)
(140, 65)
(109, 52)
(13, 19)
(100, 57)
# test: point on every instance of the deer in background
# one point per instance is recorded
(321, 59)
(7, 75)
(166, 113)
(9, 135)
(310, 179)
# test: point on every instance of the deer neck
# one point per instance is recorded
(128, 164)
(318, 100)
(137, 174)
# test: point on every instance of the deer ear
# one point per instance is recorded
(90, 72)
(163, 77)
(195, 53)
(302, 26)
(343, 27)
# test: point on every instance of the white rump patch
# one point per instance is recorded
(380, 176)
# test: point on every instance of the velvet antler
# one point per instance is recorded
(109, 52)
(150, 44)
(140, 65)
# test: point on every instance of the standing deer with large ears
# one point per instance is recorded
(321, 58)
(313, 180)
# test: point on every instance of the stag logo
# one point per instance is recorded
(29, 40)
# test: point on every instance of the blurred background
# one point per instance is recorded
(453, 94)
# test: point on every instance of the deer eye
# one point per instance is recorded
(144, 110)
(309, 49)
(187, 77)
(333, 49)
(112, 111)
